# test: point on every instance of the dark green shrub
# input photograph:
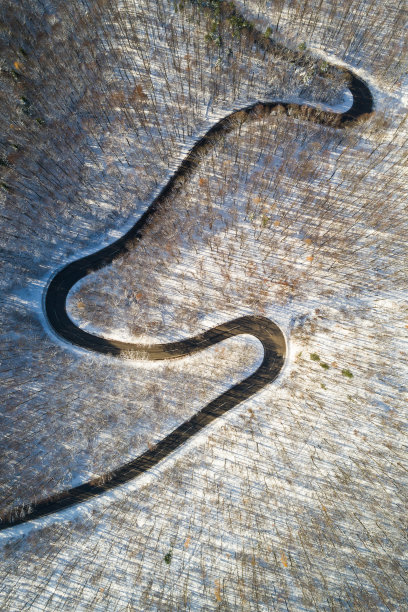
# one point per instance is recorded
(168, 556)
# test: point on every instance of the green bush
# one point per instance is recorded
(314, 357)
(168, 556)
(347, 373)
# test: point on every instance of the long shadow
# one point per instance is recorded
(265, 330)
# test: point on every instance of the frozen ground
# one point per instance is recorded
(296, 500)
(68, 193)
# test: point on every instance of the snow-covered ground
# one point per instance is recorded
(57, 216)
(296, 499)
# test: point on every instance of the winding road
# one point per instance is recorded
(265, 330)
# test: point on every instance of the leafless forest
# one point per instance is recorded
(296, 500)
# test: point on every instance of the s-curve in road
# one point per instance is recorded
(265, 330)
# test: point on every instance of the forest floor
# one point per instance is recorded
(294, 500)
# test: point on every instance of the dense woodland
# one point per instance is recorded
(296, 500)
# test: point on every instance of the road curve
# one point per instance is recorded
(265, 330)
